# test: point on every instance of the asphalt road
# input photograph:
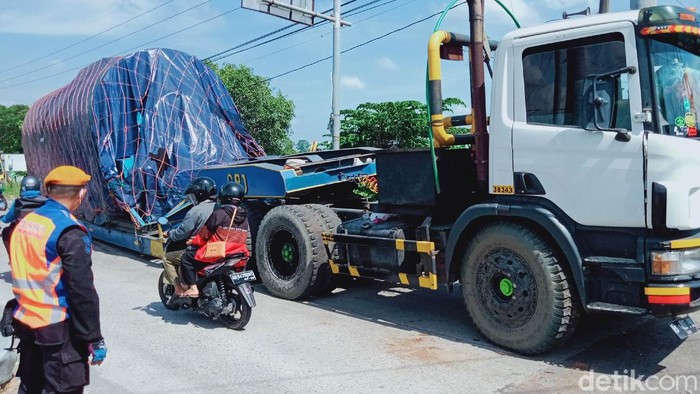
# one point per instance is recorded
(367, 337)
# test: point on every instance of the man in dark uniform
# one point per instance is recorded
(57, 318)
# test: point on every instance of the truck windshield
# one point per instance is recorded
(677, 80)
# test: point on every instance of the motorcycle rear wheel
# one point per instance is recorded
(240, 317)
(165, 291)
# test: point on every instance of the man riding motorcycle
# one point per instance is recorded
(229, 223)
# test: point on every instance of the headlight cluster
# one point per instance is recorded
(676, 262)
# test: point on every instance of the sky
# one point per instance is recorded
(44, 43)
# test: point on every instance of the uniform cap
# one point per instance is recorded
(67, 176)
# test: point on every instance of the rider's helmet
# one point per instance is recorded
(202, 188)
(231, 193)
(30, 183)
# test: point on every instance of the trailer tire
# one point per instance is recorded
(516, 291)
(331, 221)
(290, 251)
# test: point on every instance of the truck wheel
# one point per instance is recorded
(256, 210)
(516, 291)
(331, 221)
(290, 251)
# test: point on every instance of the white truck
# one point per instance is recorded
(579, 193)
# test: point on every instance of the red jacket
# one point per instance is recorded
(216, 229)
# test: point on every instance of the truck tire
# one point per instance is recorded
(290, 251)
(516, 291)
(256, 210)
(331, 221)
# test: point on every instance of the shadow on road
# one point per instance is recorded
(180, 317)
(601, 343)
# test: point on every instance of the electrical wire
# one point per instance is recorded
(86, 39)
(233, 50)
(324, 34)
(350, 13)
(360, 45)
(181, 30)
(105, 44)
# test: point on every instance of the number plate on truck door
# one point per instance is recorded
(684, 327)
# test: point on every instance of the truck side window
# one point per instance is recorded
(555, 79)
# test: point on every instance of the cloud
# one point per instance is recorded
(387, 64)
(88, 17)
(352, 82)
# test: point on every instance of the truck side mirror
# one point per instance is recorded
(598, 103)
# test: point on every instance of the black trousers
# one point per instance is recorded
(189, 266)
(50, 361)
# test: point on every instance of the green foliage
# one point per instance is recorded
(267, 114)
(11, 119)
(399, 123)
(303, 146)
(11, 190)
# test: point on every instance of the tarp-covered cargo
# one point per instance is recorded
(142, 125)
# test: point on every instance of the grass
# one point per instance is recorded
(11, 190)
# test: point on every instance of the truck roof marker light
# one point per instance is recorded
(687, 17)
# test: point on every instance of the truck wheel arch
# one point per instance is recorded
(538, 217)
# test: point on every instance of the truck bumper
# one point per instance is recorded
(673, 299)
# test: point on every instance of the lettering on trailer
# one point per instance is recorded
(240, 179)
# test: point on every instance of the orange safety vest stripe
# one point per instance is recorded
(37, 268)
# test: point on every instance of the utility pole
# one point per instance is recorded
(335, 133)
(288, 9)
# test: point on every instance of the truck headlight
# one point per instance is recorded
(676, 262)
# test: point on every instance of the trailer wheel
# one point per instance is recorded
(290, 251)
(256, 210)
(331, 221)
(516, 291)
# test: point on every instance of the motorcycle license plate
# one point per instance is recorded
(241, 277)
(684, 327)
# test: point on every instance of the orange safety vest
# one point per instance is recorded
(37, 268)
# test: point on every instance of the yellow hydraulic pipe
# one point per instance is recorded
(435, 86)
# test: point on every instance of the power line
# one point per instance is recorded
(86, 39)
(230, 52)
(181, 30)
(324, 34)
(110, 42)
(126, 51)
(362, 44)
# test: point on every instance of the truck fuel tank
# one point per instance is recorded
(378, 257)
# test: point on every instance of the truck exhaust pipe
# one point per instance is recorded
(604, 7)
(476, 51)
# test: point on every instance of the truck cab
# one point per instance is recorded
(594, 120)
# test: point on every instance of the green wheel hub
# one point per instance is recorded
(506, 287)
(288, 253)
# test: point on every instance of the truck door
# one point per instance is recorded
(594, 178)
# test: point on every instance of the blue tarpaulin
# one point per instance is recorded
(142, 125)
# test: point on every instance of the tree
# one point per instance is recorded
(303, 146)
(267, 114)
(395, 123)
(11, 119)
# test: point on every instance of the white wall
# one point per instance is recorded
(14, 162)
